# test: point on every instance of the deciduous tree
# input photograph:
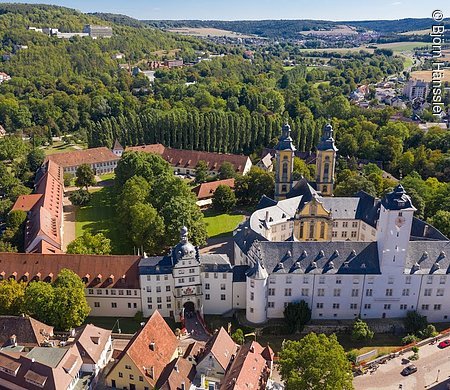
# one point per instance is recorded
(85, 176)
(90, 244)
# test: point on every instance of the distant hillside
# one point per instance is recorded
(123, 20)
(291, 28)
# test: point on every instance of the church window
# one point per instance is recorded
(322, 230)
(311, 230)
(284, 174)
(326, 171)
(302, 226)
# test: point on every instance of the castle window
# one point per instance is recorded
(311, 230)
(271, 304)
(319, 305)
(322, 230)
(326, 171)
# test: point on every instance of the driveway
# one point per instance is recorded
(433, 372)
(69, 220)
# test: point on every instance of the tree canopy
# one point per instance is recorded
(315, 362)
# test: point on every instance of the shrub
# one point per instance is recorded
(415, 349)
(352, 356)
(414, 322)
(68, 177)
(361, 331)
(238, 336)
(409, 339)
(297, 315)
(80, 197)
(429, 331)
(414, 357)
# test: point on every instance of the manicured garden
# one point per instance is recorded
(221, 224)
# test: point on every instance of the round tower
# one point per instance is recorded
(256, 303)
(394, 228)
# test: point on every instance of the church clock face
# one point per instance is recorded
(400, 221)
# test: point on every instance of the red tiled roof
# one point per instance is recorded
(45, 219)
(26, 202)
(91, 342)
(179, 371)
(181, 158)
(222, 346)
(206, 190)
(52, 377)
(87, 156)
(96, 271)
(249, 370)
(152, 348)
(28, 331)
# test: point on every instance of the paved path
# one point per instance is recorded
(221, 245)
(433, 372)
(69, 220)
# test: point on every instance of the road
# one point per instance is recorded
(433, 372)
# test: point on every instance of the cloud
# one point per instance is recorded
(397, 3)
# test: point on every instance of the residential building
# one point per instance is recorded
(111, 282)
(252, 365)
(184, 161)
(102, 160)
(41, 367)
(205, 191)
(44, 226)
(213, 361)
(145, 358)
(23, 330)
(95, 31)
(416, 89)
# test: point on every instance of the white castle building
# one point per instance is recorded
(345, 256)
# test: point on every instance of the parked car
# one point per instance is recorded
(444, 344)
(411, 369)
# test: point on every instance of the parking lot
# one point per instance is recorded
(433, 372)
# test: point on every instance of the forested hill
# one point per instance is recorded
(291, 28)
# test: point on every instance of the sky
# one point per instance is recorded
(259, 9)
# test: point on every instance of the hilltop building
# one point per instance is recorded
(416, 89)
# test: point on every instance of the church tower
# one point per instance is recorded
(284, 163)
(326, 162)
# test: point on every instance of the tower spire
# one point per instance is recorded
(326, 161)
(284, 159)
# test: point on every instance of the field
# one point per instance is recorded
(221, 225)
(339, 30)
(205, 32)
(416, 32)
(396, 47)
(426, 75)
(100, 217)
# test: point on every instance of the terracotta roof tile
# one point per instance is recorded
(27, 330)
(222, 346)
(88, 267)
(180, 371)
(26, 202)
(92, 341)
(152, 348)
(206, 190)
(189, 158)
(87, 156)
(249, 370)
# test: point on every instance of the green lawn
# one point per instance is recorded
(100, 217)
(59, 147)
(383, 342)
(221, 225)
